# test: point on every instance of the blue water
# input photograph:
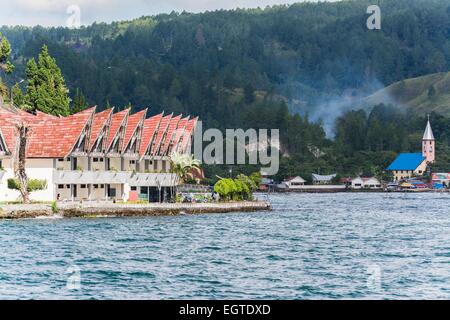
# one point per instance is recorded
(324, 246)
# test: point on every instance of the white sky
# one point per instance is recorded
(55, 12)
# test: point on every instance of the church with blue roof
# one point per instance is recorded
(407, 165)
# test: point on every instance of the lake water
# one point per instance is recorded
(311, 246)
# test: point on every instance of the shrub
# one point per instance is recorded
(55, 208)
(33, 185)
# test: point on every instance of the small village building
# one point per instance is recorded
(292, 183)
(366, 183)
(407, 165)
(321, 179)
(440, 180)
(266, 184)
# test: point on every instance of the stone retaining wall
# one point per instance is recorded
(74, 210)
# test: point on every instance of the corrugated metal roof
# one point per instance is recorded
(318, 177)
(407, 161)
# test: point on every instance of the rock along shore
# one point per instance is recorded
(88, 210)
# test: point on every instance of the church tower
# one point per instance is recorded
(428, 143)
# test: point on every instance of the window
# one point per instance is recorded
(83, 186)
(133, 188)
(60, 186)
(95, 186)
(101, 159)
(102, 186)
(60, 160)
(132, 161)
(68, 186)
(95, 159)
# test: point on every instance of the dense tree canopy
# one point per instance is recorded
(46, 90)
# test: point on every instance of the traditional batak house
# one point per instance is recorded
(408, 165)
(95, 156)
(321, 179)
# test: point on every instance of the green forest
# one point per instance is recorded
(300, 68)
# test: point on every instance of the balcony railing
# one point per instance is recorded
(112, 177)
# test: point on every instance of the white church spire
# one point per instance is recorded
(428, 134)
(428, 143)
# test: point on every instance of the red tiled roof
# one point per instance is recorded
(57, 138)
(116, 122)
(163, 126)
(181, 131)
(133, 122)
(190, 127)
(171, 131)
(45, 116)
(101, 120)
(150, 128)
(8, 122)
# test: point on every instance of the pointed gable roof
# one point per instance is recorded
(8, 122)
(57, 138)
(171, 131)
(150, 128)
(163, 126)
(132, 124)
(428, 134)
(101, 120)
(116, 122)
(190, 127)
(181, 131)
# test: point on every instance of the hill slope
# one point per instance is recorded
(426, 94)
(309, 53)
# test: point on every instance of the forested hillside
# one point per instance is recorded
(250, 68)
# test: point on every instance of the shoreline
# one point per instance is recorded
(359, 191)
(93, 210)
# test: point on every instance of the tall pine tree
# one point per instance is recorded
(5, 51)
(5, 65)
(46, 91)
(79, 101)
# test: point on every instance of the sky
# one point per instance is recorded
(84, 12)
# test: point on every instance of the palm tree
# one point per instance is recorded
(184, 166)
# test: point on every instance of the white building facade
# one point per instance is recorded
(95, 156)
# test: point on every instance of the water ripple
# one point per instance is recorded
(312, 246)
